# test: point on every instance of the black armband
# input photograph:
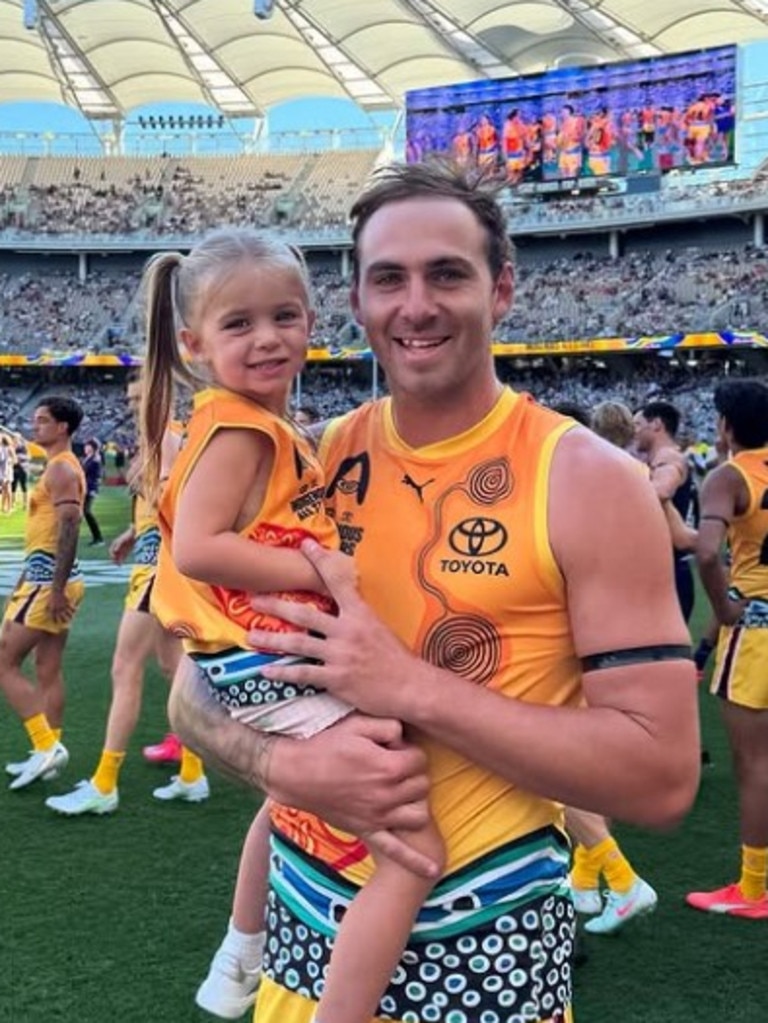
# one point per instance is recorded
(637, 655)
(715, 518)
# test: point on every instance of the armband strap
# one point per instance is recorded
(637, 655)
(58, 504)
(715, 518)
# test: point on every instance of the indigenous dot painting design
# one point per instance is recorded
(234, 676)
(516, 970)
(501, 966)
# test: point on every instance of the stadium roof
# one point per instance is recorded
(107, 57)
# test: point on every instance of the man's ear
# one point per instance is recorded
(503, 293)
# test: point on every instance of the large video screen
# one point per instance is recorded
(645, 116)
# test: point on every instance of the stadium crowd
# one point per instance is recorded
(644, 293)
(58, 312)
(166, 196)
(586, 295)
(673, 198)
(331, 392)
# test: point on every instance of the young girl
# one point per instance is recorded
(244, 492)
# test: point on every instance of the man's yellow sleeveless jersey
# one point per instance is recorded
(740, 674)
(748, 535)
(42, 529)
(452, 550)
(146, 545)
(213, 618)
(28, 604)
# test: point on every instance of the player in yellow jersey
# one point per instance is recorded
(40, 609)
(139, 637)
(734, 507)
(570, 142)
(486, 146)
(506, 567)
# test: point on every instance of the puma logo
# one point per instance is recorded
(418, 487)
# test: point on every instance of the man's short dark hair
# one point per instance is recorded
(309, 411)
(664, 411)
(743, 404)
(63, 410)
(435, 180)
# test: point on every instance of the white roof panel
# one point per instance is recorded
(109, 56)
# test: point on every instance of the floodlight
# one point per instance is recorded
(263, 9)
(29, 14)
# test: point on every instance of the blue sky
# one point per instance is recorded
(297, 115)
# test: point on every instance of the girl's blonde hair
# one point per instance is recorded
(174, 286)
(612, 420)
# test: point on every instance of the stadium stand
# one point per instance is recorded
(688, 382)
(567, 285)
(164, 196)
(161, 196)
(57, 311)
(582, 295)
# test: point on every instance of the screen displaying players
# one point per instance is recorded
(636, 117)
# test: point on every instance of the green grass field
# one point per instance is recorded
(114, 919)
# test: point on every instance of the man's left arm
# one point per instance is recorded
(64, 489)
(633, 751)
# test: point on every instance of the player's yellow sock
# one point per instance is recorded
(584, 873)
(191, 769)
(754, 867)
(57, 733)
(108, 771)
(40, 733)
(614, 865)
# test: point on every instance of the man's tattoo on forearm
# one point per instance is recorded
(235, 749)
(265, 746)
(66, 551)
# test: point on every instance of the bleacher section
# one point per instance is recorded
(56, 311)
(302, 192)
(165, 196)
(330, 187)
(689, 384)
(644, 293)
(564, 290)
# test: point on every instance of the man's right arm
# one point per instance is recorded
(205, 725)
(360, 776)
